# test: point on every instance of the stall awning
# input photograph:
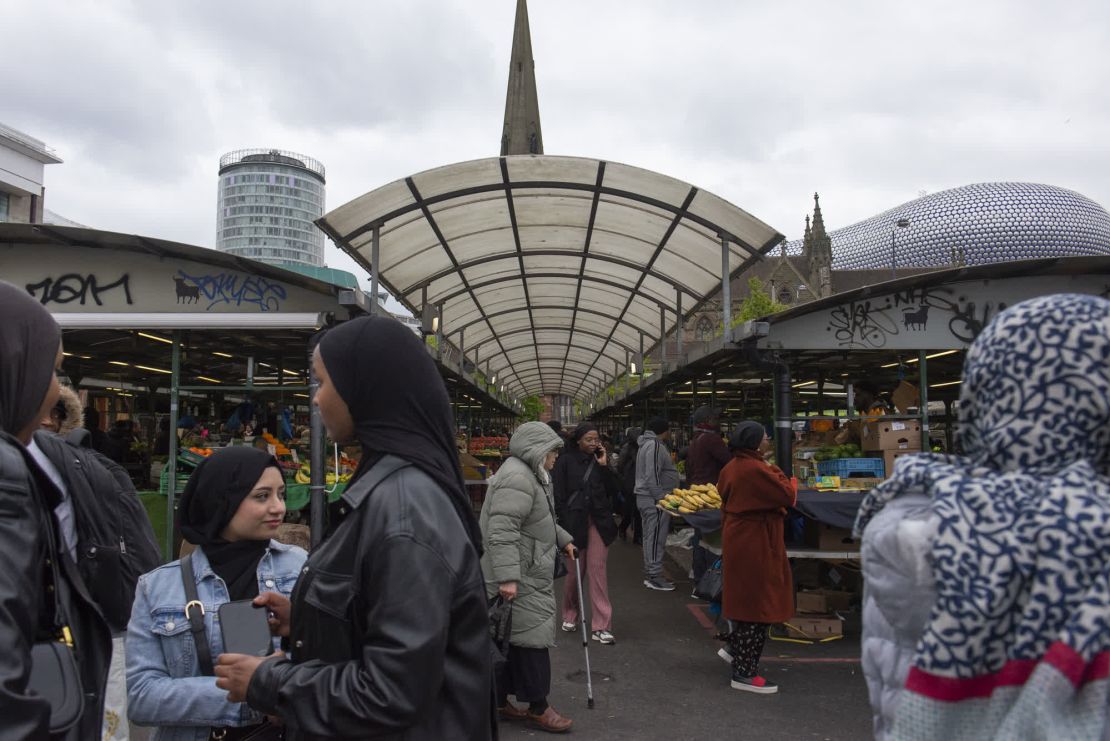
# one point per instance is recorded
(549, 269)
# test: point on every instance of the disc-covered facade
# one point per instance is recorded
(973, 225)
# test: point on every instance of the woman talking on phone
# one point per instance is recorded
(584, 488)
(231, 509)
(387, 628)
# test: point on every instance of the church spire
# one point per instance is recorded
(521, 134)
(818, 220)
(818, 252)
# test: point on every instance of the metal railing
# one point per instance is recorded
(275, 157)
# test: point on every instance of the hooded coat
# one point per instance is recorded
(985, 595)
(521, 537)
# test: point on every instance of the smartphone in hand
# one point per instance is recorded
(245, 629)
(599, 453)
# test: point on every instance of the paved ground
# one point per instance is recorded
(663, 680)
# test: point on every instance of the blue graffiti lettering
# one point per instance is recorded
(231, 289)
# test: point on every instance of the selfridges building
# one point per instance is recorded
(973, 225)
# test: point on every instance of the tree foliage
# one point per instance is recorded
(758, 303)
(531, 408)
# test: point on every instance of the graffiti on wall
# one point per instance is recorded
(229, 288)
(79, 288)
(870, 324)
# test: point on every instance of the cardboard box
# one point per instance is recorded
(815, 627)
(890, 434)
(822, 600)
(835, 539)
(472, 468)
(890, 456)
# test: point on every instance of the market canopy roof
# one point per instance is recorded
(549, 269)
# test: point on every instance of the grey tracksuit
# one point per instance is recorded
(656, 476)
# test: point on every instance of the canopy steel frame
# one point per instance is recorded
(479, 184)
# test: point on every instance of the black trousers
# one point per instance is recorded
(527, 675)
(746, 645)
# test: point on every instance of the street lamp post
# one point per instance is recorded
(900, 224)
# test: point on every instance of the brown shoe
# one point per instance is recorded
(550, 721)
(508, 711)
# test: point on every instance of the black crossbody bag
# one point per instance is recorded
(54, 673)
(194, 611)
(560, 564)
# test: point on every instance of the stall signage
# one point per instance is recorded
(76, 279)
(941, 317)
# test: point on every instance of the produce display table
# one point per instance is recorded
(835, 508)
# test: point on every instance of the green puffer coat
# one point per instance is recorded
(520, 536)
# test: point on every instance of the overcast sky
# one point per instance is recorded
(869, 102)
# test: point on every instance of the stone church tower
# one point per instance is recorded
(817, 250)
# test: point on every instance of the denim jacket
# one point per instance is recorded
(164, 688)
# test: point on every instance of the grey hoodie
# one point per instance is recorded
(656, 475)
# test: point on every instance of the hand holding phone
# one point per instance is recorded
(245, 628)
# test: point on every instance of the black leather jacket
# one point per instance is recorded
(26, 615)
(389, 635)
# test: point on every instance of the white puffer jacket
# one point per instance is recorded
(898, 594)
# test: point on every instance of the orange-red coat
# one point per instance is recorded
(757, 584)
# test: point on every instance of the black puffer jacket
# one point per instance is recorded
(579, 499)
(27, 499)
(389, 633)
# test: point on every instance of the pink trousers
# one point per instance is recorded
(592, 561)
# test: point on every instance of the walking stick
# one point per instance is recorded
(585, 636)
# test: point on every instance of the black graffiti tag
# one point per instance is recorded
(857, 324)
(72, 287)
(967, 319)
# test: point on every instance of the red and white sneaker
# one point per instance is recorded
(756, 684)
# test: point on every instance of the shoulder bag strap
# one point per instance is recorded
(194, 611)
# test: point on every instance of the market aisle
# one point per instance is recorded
(667, 682)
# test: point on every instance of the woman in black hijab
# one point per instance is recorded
(388, 624)
(231, 509)
(31, 538)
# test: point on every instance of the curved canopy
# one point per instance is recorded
(548, 269)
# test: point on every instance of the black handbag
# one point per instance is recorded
(194, 612)
(54, 673)
(711, 584)
(500, 627)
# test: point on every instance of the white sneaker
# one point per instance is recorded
(571, 627)
(604, 636)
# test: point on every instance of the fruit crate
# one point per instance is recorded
(852, 468)
(164, 479)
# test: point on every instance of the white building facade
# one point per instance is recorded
(268, 200)
(22, 162)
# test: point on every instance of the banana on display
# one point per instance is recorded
(694, 499)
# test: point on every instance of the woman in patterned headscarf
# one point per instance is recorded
(987, 595)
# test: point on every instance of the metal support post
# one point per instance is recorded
(171, 461)
(923, 379)
(643, 360)
(440, 335)
(783, 412)
(462, 351)
(317, 498)
(726, 292)
(375, 264)
(662, 337)
(678, 329)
